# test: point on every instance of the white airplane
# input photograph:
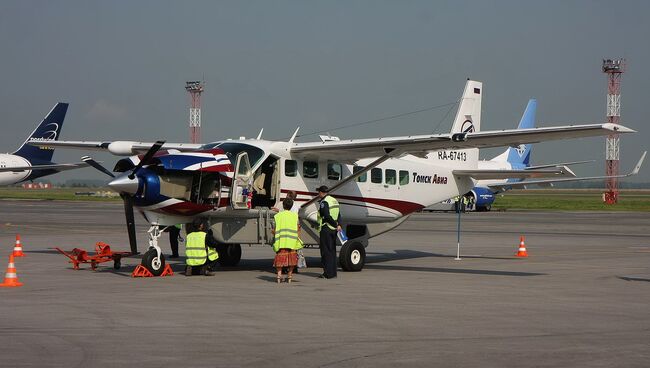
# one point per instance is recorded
(29, 162)
(378, 182)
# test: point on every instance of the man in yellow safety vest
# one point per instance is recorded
(200, 250)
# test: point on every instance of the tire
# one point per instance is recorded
(229, 254)
(152, 263)
(485, 208)
(352, 256)
(117, 263)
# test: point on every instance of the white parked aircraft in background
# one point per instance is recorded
(29, 162)
(378, 181)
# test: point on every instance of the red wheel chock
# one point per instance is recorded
(142, 271)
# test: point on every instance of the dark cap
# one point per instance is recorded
(323, 189)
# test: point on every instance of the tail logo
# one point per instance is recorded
(467, 127)
(52, 133)
(521, 150)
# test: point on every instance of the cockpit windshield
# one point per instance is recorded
(232, 149)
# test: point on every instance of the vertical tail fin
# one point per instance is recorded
(468, 117)
(48, 129)
(468, 120)
(519, 157)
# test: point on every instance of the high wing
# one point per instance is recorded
(59, 167)
(354, 149)
(119, 148)
(549, 182)
(518, 174)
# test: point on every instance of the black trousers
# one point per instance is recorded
(174, 232)
(211, 265)
(328, 251)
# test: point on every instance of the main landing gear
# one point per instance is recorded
(229, 254)
(352, 256)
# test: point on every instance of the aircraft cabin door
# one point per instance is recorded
(241, 184)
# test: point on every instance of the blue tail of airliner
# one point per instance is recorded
(519, 157)
(48, 129)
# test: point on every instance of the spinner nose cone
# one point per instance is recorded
(124, 184)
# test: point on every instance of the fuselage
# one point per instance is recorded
(393, 189)
(13, 177)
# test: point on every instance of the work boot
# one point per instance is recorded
(206, 271)
(188, 271)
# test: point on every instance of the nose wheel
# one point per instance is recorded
(154, 263)
(153, 259)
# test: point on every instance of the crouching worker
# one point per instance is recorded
(286, 240)
(200, 250)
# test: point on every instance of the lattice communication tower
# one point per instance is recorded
(614, 70)
(195, 88)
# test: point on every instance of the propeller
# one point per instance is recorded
(89, 160)
(127, 187)
(147, 157)
(130, 221)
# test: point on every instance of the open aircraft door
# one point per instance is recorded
(241, 191)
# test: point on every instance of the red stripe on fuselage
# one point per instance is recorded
(403, 207)
(218, 168)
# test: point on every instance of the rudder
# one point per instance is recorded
(48, 129)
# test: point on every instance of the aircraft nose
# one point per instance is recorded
(124, 184)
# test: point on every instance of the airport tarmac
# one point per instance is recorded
(581, 299)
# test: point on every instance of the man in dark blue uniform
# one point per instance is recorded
(328, 224)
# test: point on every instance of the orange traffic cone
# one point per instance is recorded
(522, 248)
(11, 279)
(18, 248)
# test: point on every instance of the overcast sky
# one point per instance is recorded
(122, 66)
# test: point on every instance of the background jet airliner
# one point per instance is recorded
(379, 182)
(31, 162)
(518, 158)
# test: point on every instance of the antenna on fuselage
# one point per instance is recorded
(294, 135)
(259, 136)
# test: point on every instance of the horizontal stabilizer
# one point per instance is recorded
(118, 148)
(549, 182)
(58, 167)
(515, 174)
(559, 164)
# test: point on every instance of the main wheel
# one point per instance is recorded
(154, 264)
(229, 254)
(352, 256)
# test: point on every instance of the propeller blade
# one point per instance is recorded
(89, 160)
(147, 157)
(130, 222)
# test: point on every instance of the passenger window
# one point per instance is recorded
(391, 177)
(403, 177)
(290, 168)
(334, 171)
(363, 177)
(376, 175)
(310, 169)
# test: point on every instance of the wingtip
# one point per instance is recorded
(639, 164)
(618, 128)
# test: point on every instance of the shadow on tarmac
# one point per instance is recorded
(374, 260)
(634, 278)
